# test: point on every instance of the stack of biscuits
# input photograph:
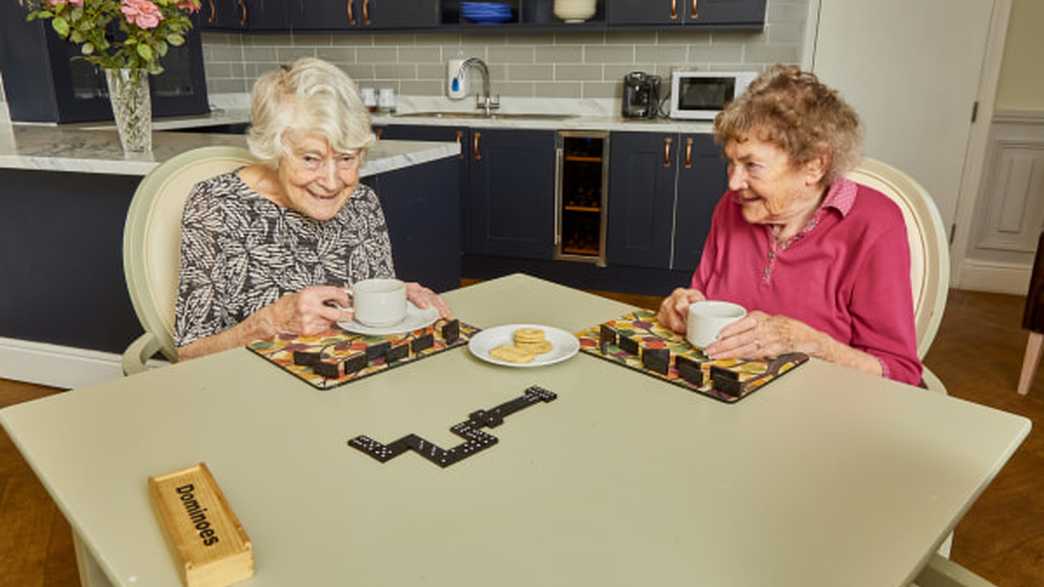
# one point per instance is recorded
(527, 344)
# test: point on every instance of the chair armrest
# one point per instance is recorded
(933, 382)
(941, 572)
(138, 353)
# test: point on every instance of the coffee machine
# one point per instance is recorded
(641, 95)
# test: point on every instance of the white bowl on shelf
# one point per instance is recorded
(575, 10)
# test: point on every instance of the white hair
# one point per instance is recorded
(310, 95)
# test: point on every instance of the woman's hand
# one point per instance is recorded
(309, 311)
(675, 308)
(424, 298)
(758, 335)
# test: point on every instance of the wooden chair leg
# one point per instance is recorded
(1031, 361)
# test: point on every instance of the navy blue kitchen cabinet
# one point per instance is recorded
(362, 15)
(422, 209)
(221, 15)
(244, 15)
(78, 243)
(641, 199)
(725, 12)
(415, 132)
(736, 13)
(510, 195)
(702, 179)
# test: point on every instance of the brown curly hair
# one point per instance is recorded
(794, 111)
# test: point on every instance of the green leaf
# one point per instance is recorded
(161, 48)
(155, 68)
(45, 14)
(76, 13)
(145, 51)
(76, 37)
(87, 49)
(176, 40)
(61, 26)
(130, 41)
(30, 17)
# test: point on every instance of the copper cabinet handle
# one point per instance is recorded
(213, 13)
(475, 151)
(460, 139)
(351, 12)
(688, 153)
(674, 9)
(667, 141)
(366, 12)
(694, 12)
(243, 14)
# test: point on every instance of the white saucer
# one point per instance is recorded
(563, 344)
(415, 318)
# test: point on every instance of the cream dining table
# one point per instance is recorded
(825, 477)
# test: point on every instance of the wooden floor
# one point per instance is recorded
(978, 354)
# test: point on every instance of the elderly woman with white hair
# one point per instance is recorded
(269, 248)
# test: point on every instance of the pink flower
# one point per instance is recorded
(189, 5)
(142, 13)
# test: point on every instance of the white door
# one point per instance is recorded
(911, 69)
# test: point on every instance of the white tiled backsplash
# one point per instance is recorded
(533, 65)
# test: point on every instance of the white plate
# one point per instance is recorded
(563, 344)
(415, 319)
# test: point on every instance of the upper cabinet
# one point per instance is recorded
(406, 15)
(362, 15)
(726, 12)
(720, 13)
(244, 15)
(263, 15)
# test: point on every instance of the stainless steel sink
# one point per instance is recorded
(481, 116)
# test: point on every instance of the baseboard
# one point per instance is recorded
(992, 276)
(35, 362)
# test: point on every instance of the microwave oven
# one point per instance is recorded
(701, 95)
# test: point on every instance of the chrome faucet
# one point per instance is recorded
(487, 102)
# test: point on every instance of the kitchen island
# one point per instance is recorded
(65, 313)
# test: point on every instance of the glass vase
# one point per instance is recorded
(131, 107)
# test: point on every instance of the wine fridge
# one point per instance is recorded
(581, 195)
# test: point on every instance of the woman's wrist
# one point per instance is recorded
(261, 324)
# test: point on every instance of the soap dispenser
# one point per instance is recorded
(457, 78)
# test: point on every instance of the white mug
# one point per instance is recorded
(369, 98)
(378, 302)
(706, 319)
(386, 99)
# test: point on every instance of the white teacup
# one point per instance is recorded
(379, 302)
(706, 319)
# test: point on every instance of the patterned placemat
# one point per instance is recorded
(337, 357)
(637, 341)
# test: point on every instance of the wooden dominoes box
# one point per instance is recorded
(208, 542)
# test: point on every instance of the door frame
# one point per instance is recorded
(978, 136)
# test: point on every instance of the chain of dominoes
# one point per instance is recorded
(470, 430)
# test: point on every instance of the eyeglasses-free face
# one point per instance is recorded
(316, 180)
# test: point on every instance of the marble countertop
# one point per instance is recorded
(95, 147)
(51, 148)
(578, 119)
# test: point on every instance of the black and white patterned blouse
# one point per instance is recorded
(240, 252)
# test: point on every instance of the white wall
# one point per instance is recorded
(1009, 209)
(1022, 73)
